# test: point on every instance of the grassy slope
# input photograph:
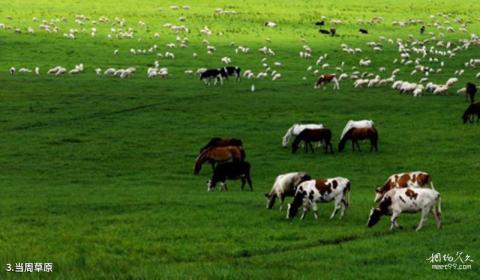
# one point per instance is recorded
(96, 172)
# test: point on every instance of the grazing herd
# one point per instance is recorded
(407, 192)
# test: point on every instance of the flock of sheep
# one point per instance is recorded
(421, 58)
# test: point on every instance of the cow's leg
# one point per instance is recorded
(393, 220)
(353, 146)
(315, 209)
(303, 214)
(243, 183)
(423, 220)
(311, 147)
(344, 206)
(336, 208)
(282, 200)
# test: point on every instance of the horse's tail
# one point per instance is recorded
(243, 155)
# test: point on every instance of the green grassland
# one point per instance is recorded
(96, 172)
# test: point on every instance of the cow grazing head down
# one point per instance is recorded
(377, 213)
(374, 217)
(297, 202)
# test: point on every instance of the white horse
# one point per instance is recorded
(356, 124)
(296, 129)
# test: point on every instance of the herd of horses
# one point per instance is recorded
(227, 155)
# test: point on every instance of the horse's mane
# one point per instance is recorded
(288, 134)
(210, 143)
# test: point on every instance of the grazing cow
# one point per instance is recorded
(285, 185)
(320, 23)
(408, 200)
(222, 142)
(212, 74)
(471, 90)
(327, 78)
(422, 29)
(472, 110)
(333, 31)
(231, 71)
(358, 134)
(416, 179)
(324, 31)
(363, 31)
(233, 171)
(320, 190)
(322, 135)
(217, 155)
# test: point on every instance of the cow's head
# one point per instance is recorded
(297, 202)
(374, 217)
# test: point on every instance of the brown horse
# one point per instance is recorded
(323, 135)
(357, 134)
(222, 142)
(218, 154)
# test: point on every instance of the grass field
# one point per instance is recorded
(96, 172)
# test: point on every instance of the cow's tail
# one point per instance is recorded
(347, 194)
(439, 205)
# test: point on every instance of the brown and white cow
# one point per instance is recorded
(408, 200)
(327, 78)
(416, 179)
(320, 190)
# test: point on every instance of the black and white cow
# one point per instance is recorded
(231, 71)
(212, 74)
(232, 171)
(407, 200)
(320, 190)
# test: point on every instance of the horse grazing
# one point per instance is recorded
(357, 134)
(327, 78)
(222, 142)
(471, 90)
(233, 171)
(296, 129)
(323, 135)
(472, 110)
(217, 155)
